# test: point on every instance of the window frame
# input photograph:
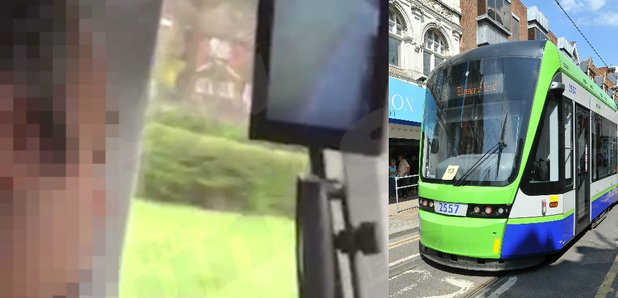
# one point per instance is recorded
(515, 23)
(551, 187)
(437, 36)
(401, 27)
(489, 7)
(568, 183)
(538, 34)
(398, 60)
(596, 146)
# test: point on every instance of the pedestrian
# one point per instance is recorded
(403, 171)
(392, 174)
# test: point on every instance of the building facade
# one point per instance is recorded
(538, 26)
(569, 48)
(422, 34)
(486, 22)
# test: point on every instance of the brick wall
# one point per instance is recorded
(520, 10)
(530, 34)
(604, 72)
(594, 71)
(469, 12)
(552, 37)
(601, 71)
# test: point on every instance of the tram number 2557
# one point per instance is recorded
(572, 89)
(448, 208)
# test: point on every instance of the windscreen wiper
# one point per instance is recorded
(497, 147)
(478, 163)
(501, 145)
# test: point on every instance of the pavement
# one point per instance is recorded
(404, 220)
(586, 268)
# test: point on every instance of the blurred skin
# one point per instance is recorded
(47, 210)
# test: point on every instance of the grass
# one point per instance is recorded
(175, 251)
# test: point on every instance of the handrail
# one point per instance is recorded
(398, 187)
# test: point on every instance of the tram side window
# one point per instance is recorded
(614, 154)
(568, 142)
(596, 130)
(546, 161)
(603, 147)
(612, 149)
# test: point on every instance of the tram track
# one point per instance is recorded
(413, 264)
(488, 287)
(409, 262)
(409, 273)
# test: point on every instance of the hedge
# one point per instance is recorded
(215, 172)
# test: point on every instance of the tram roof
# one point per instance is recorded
(569, 68)
(527, 48)
(533, 49)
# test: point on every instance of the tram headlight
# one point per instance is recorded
(424, 203)
(430, 204)
(488, 211)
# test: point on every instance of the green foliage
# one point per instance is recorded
(214, 172)
(179, 116)
(175, 251)
(183, 115)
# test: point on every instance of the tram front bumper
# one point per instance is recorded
(463, 236)
(476, 264)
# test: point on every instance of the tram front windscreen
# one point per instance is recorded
(476, 118)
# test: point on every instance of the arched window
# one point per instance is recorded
(435, 50)
(396, 29)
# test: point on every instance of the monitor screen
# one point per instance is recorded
(321, 62)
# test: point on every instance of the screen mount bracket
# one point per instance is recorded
(318, 244)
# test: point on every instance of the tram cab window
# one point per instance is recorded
(545, 163)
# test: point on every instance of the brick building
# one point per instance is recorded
(487, 22)
(538, 26)
(519, 29)
(569, 48)
(604, 77)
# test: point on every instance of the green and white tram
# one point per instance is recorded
(518, 156)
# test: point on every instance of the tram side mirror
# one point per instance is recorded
(557, 88)
(435, 146)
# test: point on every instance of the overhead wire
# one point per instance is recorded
(580, 32)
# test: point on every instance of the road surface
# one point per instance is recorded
(588, 268)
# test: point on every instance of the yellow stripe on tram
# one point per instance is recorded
(496, 245)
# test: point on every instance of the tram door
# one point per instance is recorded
(582, 182)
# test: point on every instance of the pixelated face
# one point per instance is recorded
(52, 150)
